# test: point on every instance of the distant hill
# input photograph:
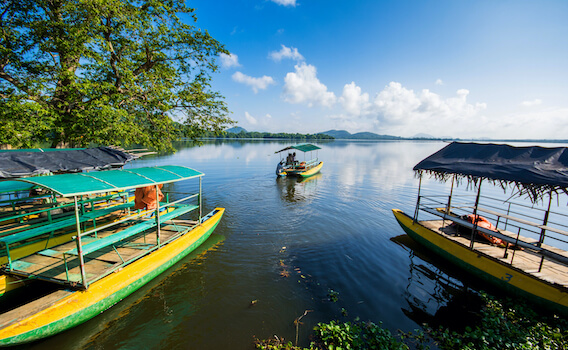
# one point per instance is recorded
(342, 134)
(236, 130)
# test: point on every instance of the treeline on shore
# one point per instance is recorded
(267, 135)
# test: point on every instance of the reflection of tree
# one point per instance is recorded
(433, 296)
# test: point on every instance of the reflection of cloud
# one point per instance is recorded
(386, 165)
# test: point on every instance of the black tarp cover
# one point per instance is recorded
(536, 169)
(18, 164)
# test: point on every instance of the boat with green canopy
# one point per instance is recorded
(519, 247)
(293, 167)
(24, 205)
(103, 253)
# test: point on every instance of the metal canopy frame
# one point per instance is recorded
(77, 184)
(304, 147)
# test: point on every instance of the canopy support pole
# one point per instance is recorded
(543, 230)
(449, 205)
(79, 245)
(418, 199)
(200, 209)
(545, 221)
(157, 215)
(474, 229)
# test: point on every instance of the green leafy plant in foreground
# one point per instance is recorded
(503, 325)
(507, 325)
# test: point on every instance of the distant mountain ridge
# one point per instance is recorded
(236, 130)
(342, 134)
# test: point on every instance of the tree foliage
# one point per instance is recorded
(76, 72)
(268, 135)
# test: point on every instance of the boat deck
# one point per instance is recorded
(55, 266)
(525, 259)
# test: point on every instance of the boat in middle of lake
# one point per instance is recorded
(293, 167)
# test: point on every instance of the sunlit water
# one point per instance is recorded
(282, 246)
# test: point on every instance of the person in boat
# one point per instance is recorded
(280, 167)
(289, 159)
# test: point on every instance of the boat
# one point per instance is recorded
(23, 206)
(112, 252)
(529, 259)
(293, 167)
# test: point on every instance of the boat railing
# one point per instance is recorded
(141, 221)
(539, 228)
(48, 211)
(312, 161)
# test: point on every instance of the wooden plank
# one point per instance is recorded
(525, 260)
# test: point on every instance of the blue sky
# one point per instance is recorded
(458, 68)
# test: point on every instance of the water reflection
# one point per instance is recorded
(434, 297)
(293, 189)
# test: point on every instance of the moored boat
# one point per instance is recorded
(293, 167)
(105, 260)
(518, 247)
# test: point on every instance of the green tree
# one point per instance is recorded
(75, 72)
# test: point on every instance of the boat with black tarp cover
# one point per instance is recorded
(523, 248)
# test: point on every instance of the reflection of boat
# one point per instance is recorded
(295, 189)
(103, 262)
(532, 264)
(433, 294)
(292, 167)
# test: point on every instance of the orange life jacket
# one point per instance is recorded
(145, 197)
(480, 221)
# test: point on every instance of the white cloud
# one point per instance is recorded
(534, 102)
(303, 86)
(256, 84)
(252, 120)
(286, 52)
(353, 101)
(551, 123)
(439, 82)
(397, 110)
(407, 113)
(228, 61)
(395, 103)
(285, 2)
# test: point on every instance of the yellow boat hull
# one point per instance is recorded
(65, 309)
(507, 277)
(312, 171)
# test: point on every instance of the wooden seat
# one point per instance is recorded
(131, 231)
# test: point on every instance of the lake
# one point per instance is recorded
(283, 248)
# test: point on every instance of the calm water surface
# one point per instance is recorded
(280, 249)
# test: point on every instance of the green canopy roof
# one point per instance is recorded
(76, 184)
(304, 147)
